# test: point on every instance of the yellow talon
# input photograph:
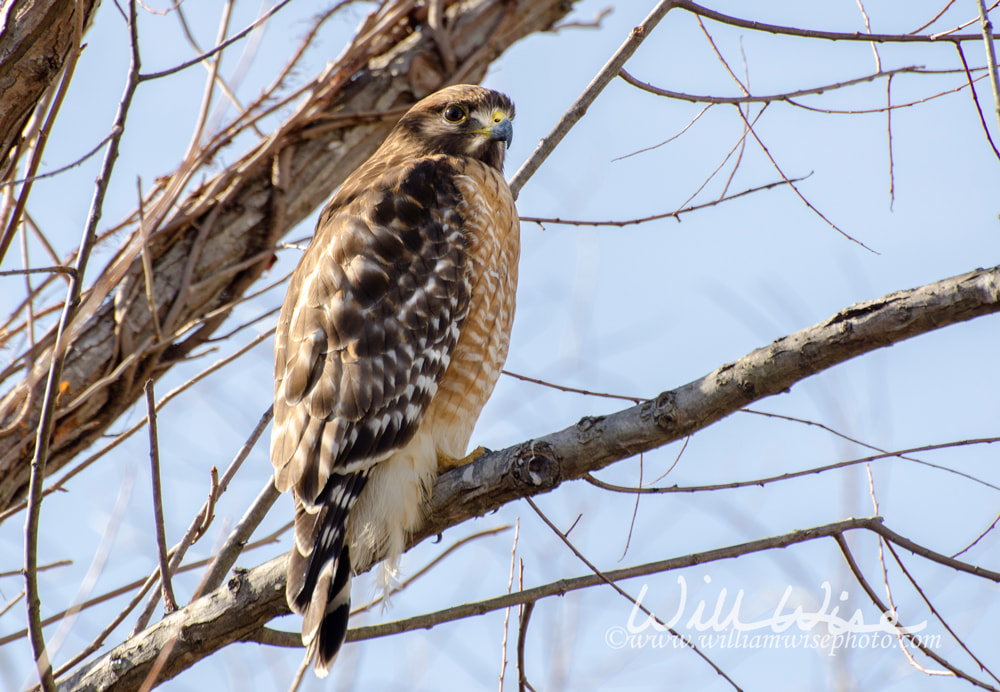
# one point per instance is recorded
(446, 462)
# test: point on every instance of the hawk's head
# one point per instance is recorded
(460, 120)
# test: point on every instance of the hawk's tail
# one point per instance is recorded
(319, 568)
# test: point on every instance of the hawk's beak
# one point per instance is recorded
(502, 131)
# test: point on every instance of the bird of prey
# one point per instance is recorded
(390, 341)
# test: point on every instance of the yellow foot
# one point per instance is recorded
(446, 462)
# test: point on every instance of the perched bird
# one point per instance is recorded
(391, 338)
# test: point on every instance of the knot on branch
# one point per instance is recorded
(747, 387)
(536, 465)
(235, 583)
(662, 411)
(590, 427)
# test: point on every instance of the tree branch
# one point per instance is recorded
(539, 465)
(241, 607)
(814, 33)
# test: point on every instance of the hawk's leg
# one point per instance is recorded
(446, 462)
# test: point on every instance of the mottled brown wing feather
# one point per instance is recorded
(372, 314)
(367, 328)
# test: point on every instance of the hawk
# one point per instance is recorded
(390, 340)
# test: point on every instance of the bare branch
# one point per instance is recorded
(791, 184)
(827, 35)
(47, 413)
(757, 482)
(667, 215)
(169, 602)
(930, 606)
(975, 100)
(771, 98)
(539, 465)
(607, 580)
(991, 56)
(582, 103)
(219, 46)
(856, 570)
(236, 542)
(522, 637)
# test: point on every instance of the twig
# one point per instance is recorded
(300, 672)
(564, 586)
(978, 538)
(795, 189)
(718, 54)
(676, 460)
(880, 109)
(506, 616)
(740, 147)
(201, 520)
(991, 56)
(595, 23)
(169, 602)
(901, 454)
(427, 568)
(837, 433)
(860, 577)
(68, 166)
(40, 568)
(147, 266)
(144, 585)
(98, 641)
(975, 100)
(868, 29)
(47, 416)
(669, 139)
(583, 102)
(237, 539)
(888, 130)
(563, 388)
(813, 33)
(934, 18)
(899, 562)
(522, 637)
(213, 73)
(69, 271)
(655, 217)
(12, 602)
(635, 511)
(222, 82)
(607, 580)
(219, 47)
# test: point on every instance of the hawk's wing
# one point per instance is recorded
(372, 314)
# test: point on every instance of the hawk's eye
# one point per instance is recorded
(454, 114)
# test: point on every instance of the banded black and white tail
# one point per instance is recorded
(319, 568)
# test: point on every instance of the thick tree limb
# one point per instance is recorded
(220, 238)
(251, 598)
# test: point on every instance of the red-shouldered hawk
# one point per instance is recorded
(391, 338)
